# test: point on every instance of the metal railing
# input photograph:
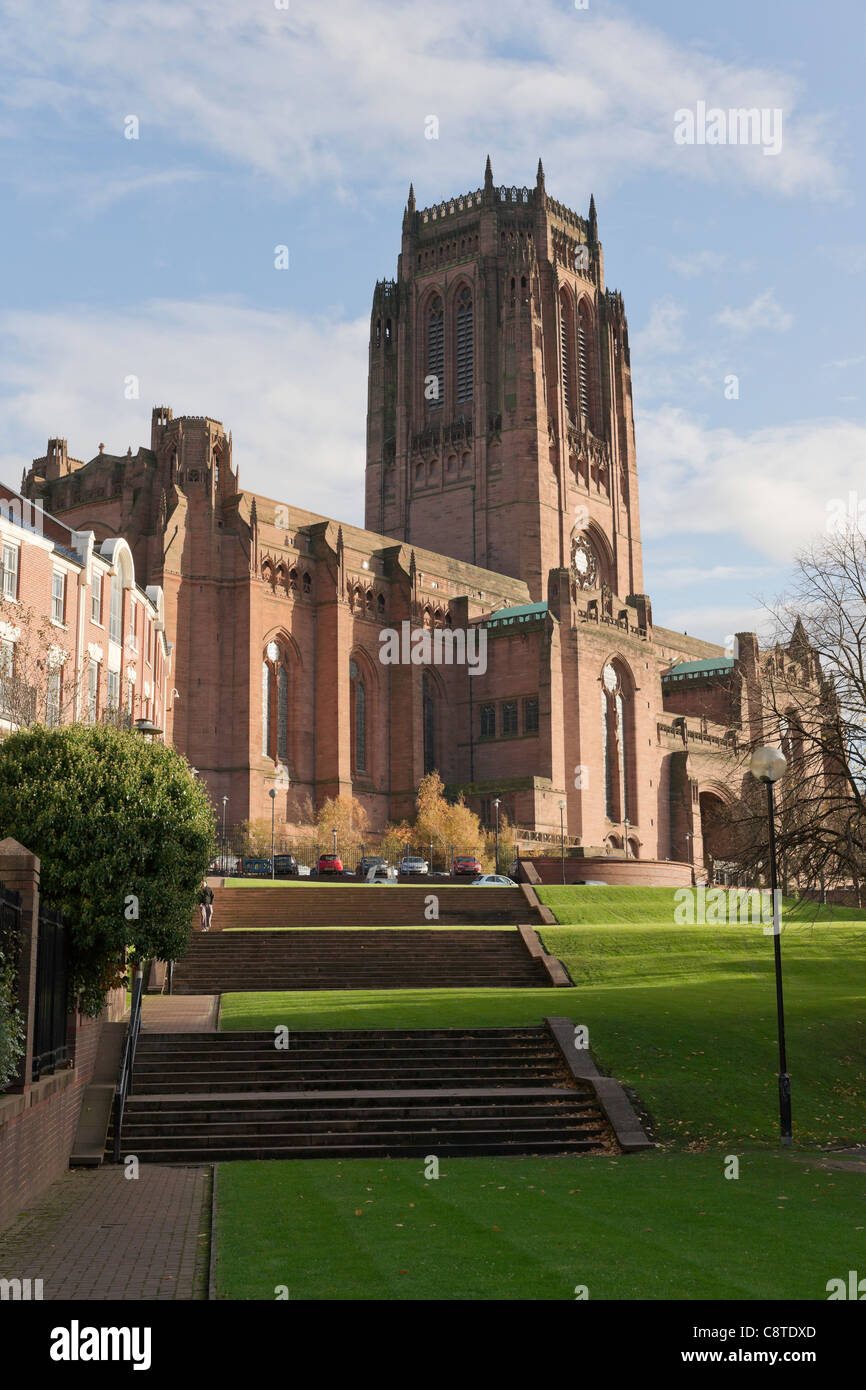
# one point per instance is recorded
(127, 1060)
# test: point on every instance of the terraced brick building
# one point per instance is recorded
(501, 500)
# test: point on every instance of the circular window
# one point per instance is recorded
(584, 562)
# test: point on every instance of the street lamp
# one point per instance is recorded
(627, 825)
(689, 846)
(225, 856)
(431, 857)
(273, 795)
(147, 728)
(562, 837)
(768, 765)
(496, 804)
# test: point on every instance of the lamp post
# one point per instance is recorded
(767, 766)
(334, 833)
(273, 795)
(562, 837)
(689, 846)
(627, 827)
(430, 866)
(225, 856)
(496, 804)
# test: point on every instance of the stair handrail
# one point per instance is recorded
(127, 1060)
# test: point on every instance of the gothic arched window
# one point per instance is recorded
(566, 354)
(275, 703)
(584, 339)
(429, 724)
(434, 386)
(465, 347)
(358, 714)
(617, 743)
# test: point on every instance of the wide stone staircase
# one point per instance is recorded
(228, 961)
(203, 1097)
(337, 904)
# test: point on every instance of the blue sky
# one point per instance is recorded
(303, 126)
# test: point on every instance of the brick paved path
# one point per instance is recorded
(179, 1013)
(99, 1235)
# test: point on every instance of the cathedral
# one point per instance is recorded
(501, 517)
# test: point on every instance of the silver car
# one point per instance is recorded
(413, 864)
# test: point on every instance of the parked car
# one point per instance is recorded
(493, 881)
(382, 873)
(285, 866)
(257, 868)
(466, 865)
(366, 863)
(330, 864)
(414, 864)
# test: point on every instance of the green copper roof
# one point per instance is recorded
(524, 614)
(713, 666)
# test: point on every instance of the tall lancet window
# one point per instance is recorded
(565, 354)
(434, 385)
(465, 347)
(267, 681)
(428, 721)
(275, 703)
(583, 341)
(358, 698)
(617, 745)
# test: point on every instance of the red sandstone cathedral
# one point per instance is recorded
(501, 504)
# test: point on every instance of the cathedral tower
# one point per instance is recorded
(499, 425)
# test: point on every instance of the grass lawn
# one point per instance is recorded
(685, 1015)
(662, 1225)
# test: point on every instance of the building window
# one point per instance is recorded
(465, 347)
(10, 571)
(583, 368)
(616, 713)
(96, 599)
(133, 626)
(530, 716)
(488, 721)
(114, 691)
(308, 584)
(509, 717)
(358, 716)
(93, 692)
(282, 713)
(115, 620)
(434, 391)
(429, 724)
(55, 689)
(58, 596)
(565, 352)
(7, 658)
(267, 681)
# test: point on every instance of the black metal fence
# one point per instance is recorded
(50, 1043)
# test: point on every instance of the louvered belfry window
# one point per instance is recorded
(465, 347)
(435, 355)
(583, 365)
(565, 352)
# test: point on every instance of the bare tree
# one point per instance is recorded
(813, 705)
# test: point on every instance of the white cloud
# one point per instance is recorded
(292, 390)
(764, 313)
(771, 489)
(698, 262)
(663, 331)
(337, 93)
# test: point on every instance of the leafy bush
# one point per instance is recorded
(11, 1021)
(125, 834)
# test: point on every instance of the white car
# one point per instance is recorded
(413, 864)
(382, 873)
(493, 881)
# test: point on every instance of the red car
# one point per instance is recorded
(330, 864)
(466, 864)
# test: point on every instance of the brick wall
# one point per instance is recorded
(37, 1128)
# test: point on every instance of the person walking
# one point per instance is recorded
(205, 898)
